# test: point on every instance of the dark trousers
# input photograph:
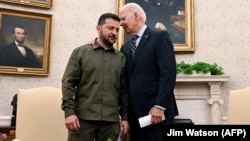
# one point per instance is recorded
(98, 130)
(167, 122)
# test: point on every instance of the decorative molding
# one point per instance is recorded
(212, 78)
(214, 98)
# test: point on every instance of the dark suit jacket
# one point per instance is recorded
(11, 56)
(152, 73)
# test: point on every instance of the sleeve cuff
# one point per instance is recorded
(160, 107)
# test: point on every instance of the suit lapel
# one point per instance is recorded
(16, 51)
(145, 37)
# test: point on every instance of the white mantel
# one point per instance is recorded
(213, 97)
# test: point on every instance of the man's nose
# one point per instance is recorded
(115, 31)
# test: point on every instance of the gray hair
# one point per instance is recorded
(134, 7)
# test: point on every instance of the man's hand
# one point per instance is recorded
(91, 42)
(72, 123)
(156, 115)
(124, 128)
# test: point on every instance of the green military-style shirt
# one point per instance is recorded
(94, 84)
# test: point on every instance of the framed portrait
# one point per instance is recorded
(175, 16)
(36, 3)
(24, 42)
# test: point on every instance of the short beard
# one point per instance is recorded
(20, 42)
(106, 41)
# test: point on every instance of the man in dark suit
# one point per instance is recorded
(17, 54)
(151, 75)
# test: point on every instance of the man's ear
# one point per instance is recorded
(98, 28)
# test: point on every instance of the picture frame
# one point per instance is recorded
(36, 28)
(178, 20)
(36, 3)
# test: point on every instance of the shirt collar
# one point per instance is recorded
(16, 43)
(141, 31)
(96, 46)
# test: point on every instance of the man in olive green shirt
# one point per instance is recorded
(95, 95)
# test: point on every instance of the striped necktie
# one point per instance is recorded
(133, 45)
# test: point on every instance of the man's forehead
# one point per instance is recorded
(19, 29)
(110, 21)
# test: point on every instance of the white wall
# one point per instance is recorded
(221, 36)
